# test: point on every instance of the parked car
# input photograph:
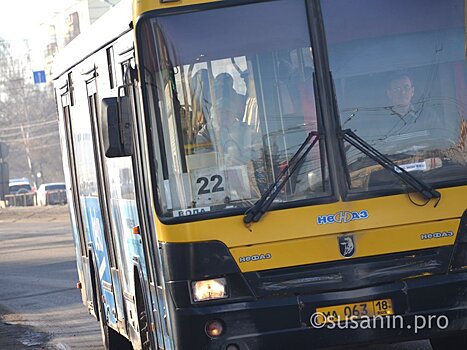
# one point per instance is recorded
(51, 193)
(21, 192)
(20, 187)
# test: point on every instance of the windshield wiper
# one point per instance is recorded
(418, 185)
(258, 209)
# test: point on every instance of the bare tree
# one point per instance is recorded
(28, 123)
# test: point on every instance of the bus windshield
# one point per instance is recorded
(399, 70)
(230, 101)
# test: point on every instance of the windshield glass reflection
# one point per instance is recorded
(230, 102)
(400, 84)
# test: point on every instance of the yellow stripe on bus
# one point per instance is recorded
(326, 248)
(291, 224)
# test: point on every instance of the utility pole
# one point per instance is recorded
(25, 136)
(4, 173)
(27, 69)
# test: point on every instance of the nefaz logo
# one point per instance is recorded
(342, 217)
(255, 257)
(443, 234)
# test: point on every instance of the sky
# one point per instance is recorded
(19, 19)
(22, 25)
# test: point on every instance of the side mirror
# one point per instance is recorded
(115, 127)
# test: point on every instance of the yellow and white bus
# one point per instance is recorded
(270, 174)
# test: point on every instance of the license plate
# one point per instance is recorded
(339, 313)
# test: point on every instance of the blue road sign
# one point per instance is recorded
(39, 77)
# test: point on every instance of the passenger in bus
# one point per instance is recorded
(224, 88)
(235, 142)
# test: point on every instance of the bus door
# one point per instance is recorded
(97, 214)
(145, 253)
(79, 234)
(121, 199)
(121, 211)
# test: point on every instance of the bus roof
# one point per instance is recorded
(141, 6)
(106, 29)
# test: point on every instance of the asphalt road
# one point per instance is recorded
(40, 308)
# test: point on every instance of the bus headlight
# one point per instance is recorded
(209, 289)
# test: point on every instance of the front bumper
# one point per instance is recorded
(284, 322)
